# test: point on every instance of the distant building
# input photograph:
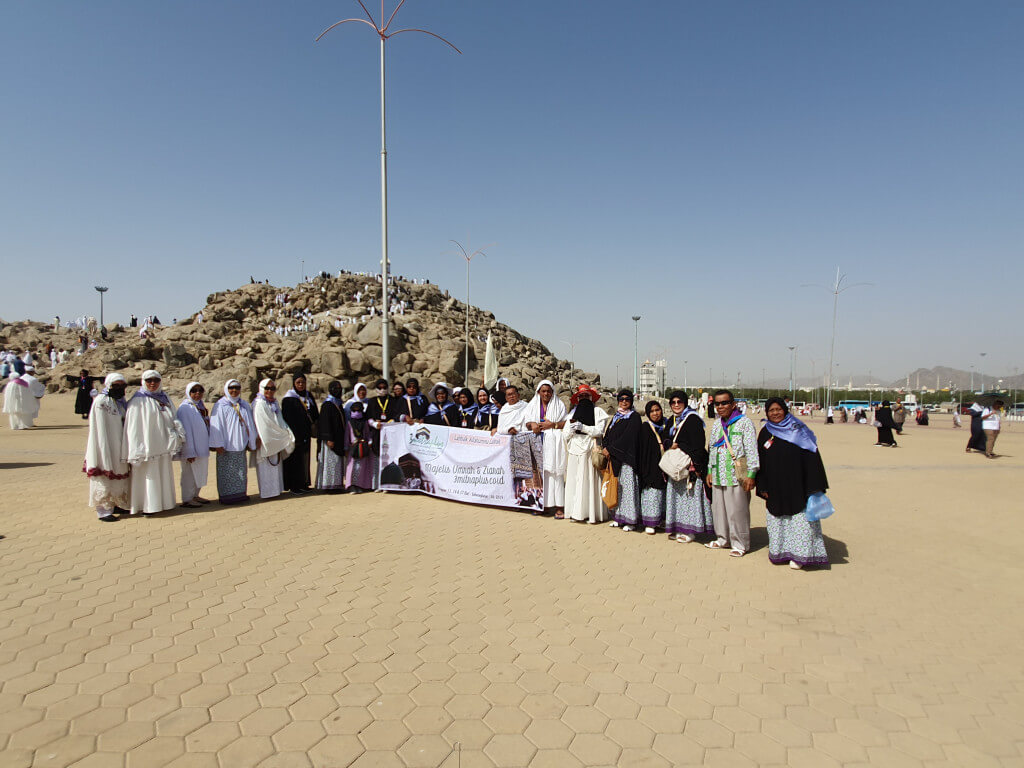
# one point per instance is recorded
(653, 377)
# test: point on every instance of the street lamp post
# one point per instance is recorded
(792, 367)
(980, 371)
(101, 289)
(469, 258)
(684, 379)
(636, 353)
(382, 32)
(572, 361)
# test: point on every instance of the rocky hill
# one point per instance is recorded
(318, 328)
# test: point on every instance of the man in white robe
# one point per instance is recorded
(153, 435)
(106, 460)
(512, 416)
(36, 387)
(545, 415)
(19, 403)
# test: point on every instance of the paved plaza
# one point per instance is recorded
(391, 630)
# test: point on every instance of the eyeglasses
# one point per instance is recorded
(270, 389)
(675, 401)
(721, 403)
(231, 388)
(625, 399)
(152, 381)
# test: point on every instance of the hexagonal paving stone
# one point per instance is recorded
(549, 734)
(384, 735)
(595, 749)
(424, 751)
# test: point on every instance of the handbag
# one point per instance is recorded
(676, 463)
(359, 449)
(609, 487)
(597, 458)
(739, 464)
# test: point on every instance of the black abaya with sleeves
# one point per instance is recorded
(331, 428)
(301, 422)
(788, 474)
(884, 417)
(621, 441)
(83, 398)
(446, 416)
(648, 454)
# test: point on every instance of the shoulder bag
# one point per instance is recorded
(675, 463)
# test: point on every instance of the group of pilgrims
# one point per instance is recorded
(576, 449)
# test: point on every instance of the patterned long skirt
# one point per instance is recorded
(794, 537)
(628, 511)
(330, 470)
(232, 477)
(688, 512)
(652, 507)
(359, 473)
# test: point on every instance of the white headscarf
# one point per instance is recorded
(276, 439)
(159, 395)
(237, 383)
(554, 448)
(356, 398)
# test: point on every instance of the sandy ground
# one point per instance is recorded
(381, 630)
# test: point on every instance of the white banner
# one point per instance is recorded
(451, 463)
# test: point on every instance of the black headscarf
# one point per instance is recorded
(584, 412)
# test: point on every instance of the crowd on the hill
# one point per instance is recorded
(658, 473)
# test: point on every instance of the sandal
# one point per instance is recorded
(737, 553)
(559, 515)
(684, 538)
(716, 544)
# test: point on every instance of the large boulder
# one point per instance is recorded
(176, 356)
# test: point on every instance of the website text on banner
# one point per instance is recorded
(458, 464)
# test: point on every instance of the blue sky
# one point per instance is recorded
(694, 163)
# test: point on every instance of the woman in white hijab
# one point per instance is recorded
(153, 435)
(195, 452)
(358, 396)
(232, 433)
(275, 443)
(106, 455)
(545, 416)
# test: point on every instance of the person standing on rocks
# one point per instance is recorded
(232, 433)
(298, 407)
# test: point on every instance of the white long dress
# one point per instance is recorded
(106, 463)
(19, 403)
(153, 435)
(195, 473)
(582, 481)
(276, 443)
(554, 446)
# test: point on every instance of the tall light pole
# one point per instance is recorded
(980, 371)
(383, 33)
(792, 367)
(972, 380)
(836, 289)
(101, 289)
(572, 348)
(636, 353)
(687, 391)
(469, 258)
